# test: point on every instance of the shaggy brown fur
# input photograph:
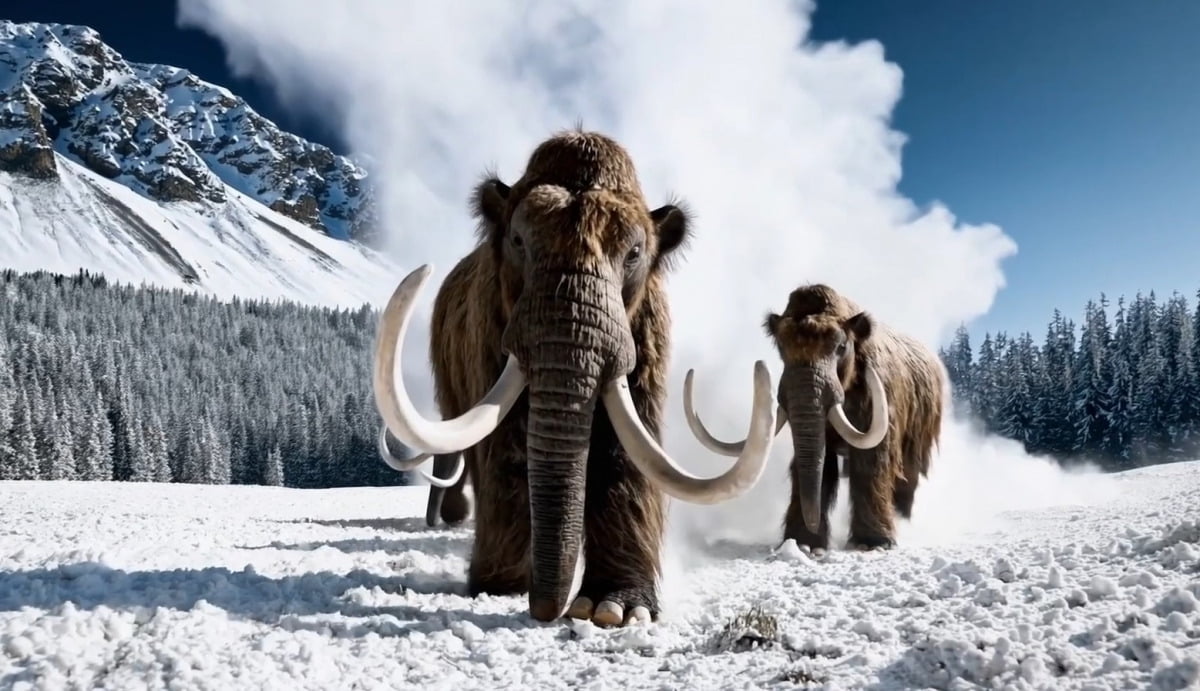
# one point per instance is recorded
(596, 198)
(816, 321)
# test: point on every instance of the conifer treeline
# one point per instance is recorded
(1123, 394)
(106, 382)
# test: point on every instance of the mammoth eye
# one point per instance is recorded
(841, 349)
(635, 253)
(518, 241)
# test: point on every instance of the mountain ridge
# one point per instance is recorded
(163, 131)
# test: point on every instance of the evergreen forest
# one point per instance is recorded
(126, 383)
(129, 383)
(1120, 392)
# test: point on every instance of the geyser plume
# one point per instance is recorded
(780, 146)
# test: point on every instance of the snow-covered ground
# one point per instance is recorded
(129, 586)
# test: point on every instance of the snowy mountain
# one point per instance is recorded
(148, 173)
(143, 585)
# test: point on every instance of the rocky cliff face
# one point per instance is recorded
(163, 132)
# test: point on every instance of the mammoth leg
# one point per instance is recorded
(623, 524)
(454, 504)
(446, 502)
(915, 459)
(902, 497)
(872, 473)
(500, 554)
(793, 521)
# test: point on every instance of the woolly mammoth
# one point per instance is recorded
(844, 372)
(549, 346)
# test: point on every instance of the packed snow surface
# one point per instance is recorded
(130, 586)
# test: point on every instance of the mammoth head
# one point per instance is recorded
(810, 333)
(579, 208)
(576, 251)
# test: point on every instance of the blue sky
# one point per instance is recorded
(1075, 126)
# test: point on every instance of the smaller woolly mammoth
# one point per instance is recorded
(845, 372)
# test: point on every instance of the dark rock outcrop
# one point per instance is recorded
(163, 132)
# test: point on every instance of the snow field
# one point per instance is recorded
(153, 586)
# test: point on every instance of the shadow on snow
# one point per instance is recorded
(248, 595)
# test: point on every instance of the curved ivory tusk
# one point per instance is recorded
(725, 448)
(650, 458)
(879, 416)
(402, 465)
(413, 463)
(394, 404)
(447, 482)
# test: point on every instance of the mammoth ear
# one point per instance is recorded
(488, 203)
(771, 324)
(860, 326)
(673, 224)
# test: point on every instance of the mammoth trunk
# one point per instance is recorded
(806, 393)
(560, 424)
(572, 343)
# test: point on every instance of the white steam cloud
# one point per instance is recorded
(780, 146)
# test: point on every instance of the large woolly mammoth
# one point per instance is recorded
(844, 372)
(560, 307)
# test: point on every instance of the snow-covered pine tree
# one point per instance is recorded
(42, 418)
(1120, 429)
(139, 465)
(1090, 414)
(1192, 389)
(62, 450)
(23, 442)
(987, 390)
(1177, 379)
(93, 442)
(959, 361)
(273, 467)
(192, 453)
(7, 403)
(1052, 433)
(155, 444)
(216, 453)
(1149, 383)
(1017, 415)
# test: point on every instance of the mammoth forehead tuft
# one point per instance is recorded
(599, 217)
(813, 328)
(581, 161)
(816, 299)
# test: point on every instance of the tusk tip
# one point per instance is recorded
(420, 273)
(762, 376)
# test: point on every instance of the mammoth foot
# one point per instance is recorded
(806, 539)
(869, 543)
(615, 609)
